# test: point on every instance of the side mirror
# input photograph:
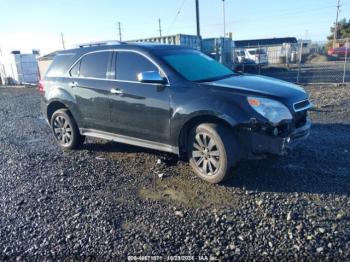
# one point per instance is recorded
(151, 77)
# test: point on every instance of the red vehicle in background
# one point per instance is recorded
(339, 52)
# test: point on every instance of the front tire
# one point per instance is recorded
(65, 130)
(212, 152)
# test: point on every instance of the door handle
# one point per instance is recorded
(116, 91)
(73, 84)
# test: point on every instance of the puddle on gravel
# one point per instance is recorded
(129, 224)
(26, 141)
(33, 140)
(179, 185)
(181, 190)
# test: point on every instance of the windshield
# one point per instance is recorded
(197, 67)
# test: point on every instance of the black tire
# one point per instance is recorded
(212, 152)
(65, 130)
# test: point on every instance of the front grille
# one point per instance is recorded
(302, 105)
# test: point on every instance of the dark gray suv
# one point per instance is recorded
(172, 99)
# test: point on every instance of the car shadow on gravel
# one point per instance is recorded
(319, 165)
(123, 150)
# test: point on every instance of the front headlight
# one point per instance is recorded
(272, 110)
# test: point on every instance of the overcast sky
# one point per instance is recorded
(28, 24)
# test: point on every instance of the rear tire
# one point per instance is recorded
(65, 130)
(212, 152)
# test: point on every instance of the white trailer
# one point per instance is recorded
(17, 68)
(27, 68)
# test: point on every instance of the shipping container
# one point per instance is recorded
(221, 49)
(191, 41)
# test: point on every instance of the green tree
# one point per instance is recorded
(343, 30)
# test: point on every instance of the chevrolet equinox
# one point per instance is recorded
(173, 99)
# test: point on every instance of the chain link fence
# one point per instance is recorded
(306, 63)
(302, 63)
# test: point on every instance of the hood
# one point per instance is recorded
(261, 85)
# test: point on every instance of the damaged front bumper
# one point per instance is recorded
(264, 142)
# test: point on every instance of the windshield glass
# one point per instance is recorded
(197, 67)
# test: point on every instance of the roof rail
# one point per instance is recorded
(99, 43)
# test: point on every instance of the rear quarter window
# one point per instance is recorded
(60, 65)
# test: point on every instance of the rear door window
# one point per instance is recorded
(95, 65)
(130, 64)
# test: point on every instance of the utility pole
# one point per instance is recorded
(223, 53)
(224, 15)
(120, 32)
(198, 26)
(336, 24)
(160, 27)
(63, 43)
(197, 19)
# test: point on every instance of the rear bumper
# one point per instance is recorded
(260, 143)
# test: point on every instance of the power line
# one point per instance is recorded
(271, 25)
(279, 14)
(230, 22)
(177, 15)
(274, 13)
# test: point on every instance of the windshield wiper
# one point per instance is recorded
(214, 78)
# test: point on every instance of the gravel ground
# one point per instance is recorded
(107, 200)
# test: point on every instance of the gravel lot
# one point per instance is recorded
(105, 201)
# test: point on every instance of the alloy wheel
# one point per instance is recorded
(62, 130)
(206, 154)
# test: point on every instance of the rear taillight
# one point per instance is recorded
(41, 87)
